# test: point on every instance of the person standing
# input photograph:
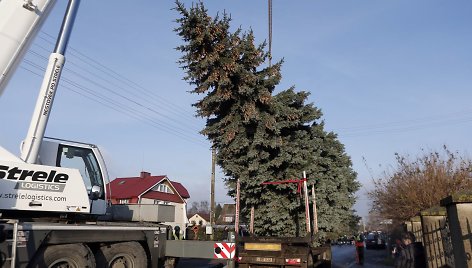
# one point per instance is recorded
(412, 255)
(177, 234)
(359, 242)
(225, 233)
(397, 248)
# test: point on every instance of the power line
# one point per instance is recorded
(437, 121)
(181, 131)
(359, 131)
(270, 31)
(109, 103)
(405, 122)
(99, 66)
(402, 129)
(131, 89)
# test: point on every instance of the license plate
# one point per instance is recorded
(264, 259)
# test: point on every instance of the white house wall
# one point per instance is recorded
(180, 216)
(197, 218)
(147, 201)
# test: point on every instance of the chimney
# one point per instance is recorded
(145, 174)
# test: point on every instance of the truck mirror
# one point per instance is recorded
(69, 153)
(95, 192)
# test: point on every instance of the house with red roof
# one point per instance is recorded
(148, 189)
(228, 214)
(202, 219)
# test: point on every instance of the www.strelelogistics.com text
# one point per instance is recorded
(34, 197)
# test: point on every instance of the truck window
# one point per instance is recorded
(84, 160)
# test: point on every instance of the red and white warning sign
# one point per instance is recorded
(225, 250)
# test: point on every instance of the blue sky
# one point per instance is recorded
(389, 76)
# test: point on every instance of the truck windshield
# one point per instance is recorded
(84, 160)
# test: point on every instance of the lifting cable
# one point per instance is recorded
(298, 182)
(270, 32)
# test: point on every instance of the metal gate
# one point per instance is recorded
(438, 244)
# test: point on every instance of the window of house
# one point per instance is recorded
(160, 202)
(163, 188)
(228, 219)
(123, 201)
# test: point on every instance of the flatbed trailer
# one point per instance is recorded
(274, 251)
(282, 252)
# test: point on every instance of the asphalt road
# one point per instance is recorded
(200, 263)
(343, 257)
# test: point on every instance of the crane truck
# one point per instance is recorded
(54, 202)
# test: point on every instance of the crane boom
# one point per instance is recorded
(51, 175)
(32, 143)
(20, 21)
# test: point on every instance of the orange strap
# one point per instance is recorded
(299, 182)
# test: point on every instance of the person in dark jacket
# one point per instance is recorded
(177, 234)
(412, 255)
(397, 248)
(225, 233)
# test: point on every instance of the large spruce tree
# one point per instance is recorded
(260, 137)
(307, 146)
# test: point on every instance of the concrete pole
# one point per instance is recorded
(231, 239)
(236, 221)
(212, 190)
(251, 225)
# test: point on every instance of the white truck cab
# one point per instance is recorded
(69, 178)
(87, 159)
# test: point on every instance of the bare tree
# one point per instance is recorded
(199, 207)
(419, 184)
(194, 208)
(204, 207)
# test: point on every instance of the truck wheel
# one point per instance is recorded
(326, 258)
(68, 255)
(309, 262)
(168, 262)
(127, 254)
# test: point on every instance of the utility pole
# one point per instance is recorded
(238, 197)
(307, 209)
(362, 226)
(212, 189)
(251, 224)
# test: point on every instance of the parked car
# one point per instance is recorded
(344, 240)
(375, 240)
